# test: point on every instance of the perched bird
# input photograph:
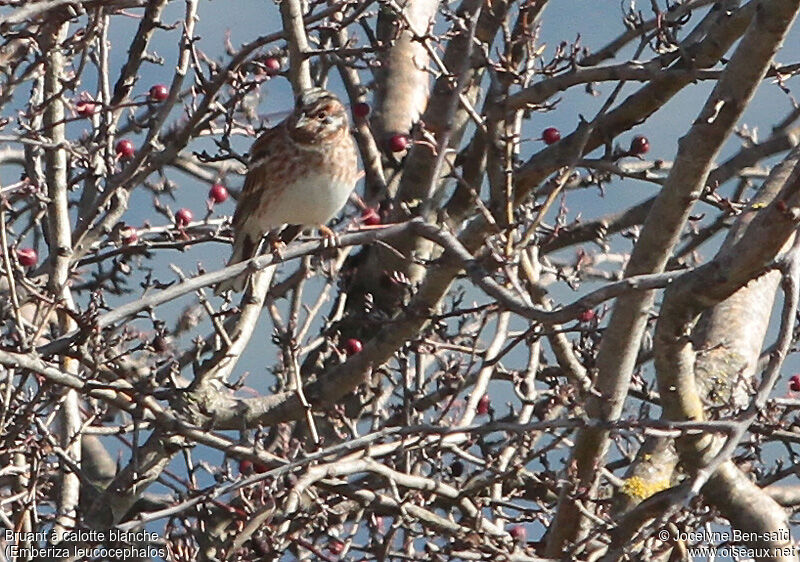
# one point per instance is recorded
(301, 172)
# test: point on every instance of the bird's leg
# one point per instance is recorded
(276, 244)
(329, 238)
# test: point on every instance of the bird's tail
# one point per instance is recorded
(244, 248)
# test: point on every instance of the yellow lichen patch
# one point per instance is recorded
(638, 487)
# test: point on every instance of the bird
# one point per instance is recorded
(301, 172)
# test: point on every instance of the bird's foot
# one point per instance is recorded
(273, 243)
(276, 248)
(329, 238)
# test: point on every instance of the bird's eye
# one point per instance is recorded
(321, 115)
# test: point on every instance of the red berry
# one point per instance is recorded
(183, 217)
(398, 143)
(361, 110)
(27, 257)
(518, 533)
(336, 547)
(238, 512)
(125, 148)
(218, 193)
(483, 405)
(246, 467)
(551, 135)
(159, 92)
(272, 65)
(130, 238)
(794, 382)
(639, 145)
(370, 217)
(85, 108)
(353, 346)
(587, 315)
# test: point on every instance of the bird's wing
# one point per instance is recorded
(256, 180)
(247, 231)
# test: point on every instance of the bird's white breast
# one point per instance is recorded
(315, 199)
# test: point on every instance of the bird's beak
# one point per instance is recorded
(302, 122)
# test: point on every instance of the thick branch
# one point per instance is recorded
(684, 185)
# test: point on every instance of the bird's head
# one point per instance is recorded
(318, 117)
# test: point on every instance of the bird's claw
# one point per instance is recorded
(330, 239)
(276, 248)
